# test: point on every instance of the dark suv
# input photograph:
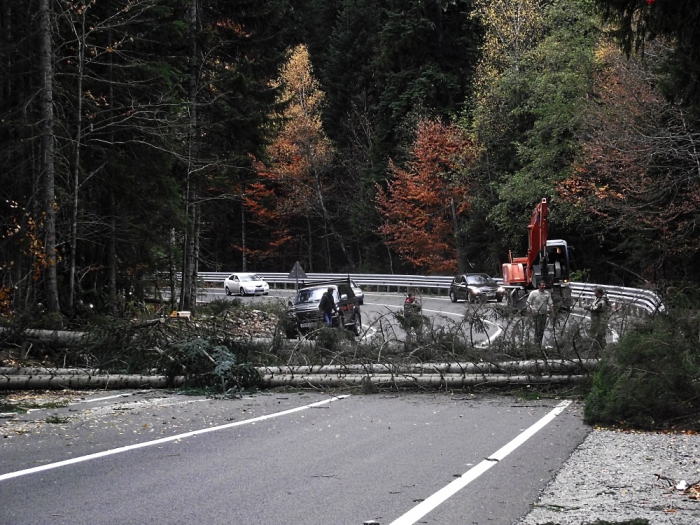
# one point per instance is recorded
(473, 287)
(303, 315)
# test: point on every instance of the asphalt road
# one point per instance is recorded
(274, 458)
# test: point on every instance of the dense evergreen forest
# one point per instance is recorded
(155, 137)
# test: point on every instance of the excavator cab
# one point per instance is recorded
(554, 266)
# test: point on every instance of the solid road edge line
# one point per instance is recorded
(427, 505)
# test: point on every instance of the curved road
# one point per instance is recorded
(284, 458)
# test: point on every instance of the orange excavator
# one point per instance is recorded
(547, 260)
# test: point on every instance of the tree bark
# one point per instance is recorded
(80, 58)
(189, 273)
(48, 140)
(434, 380)
(310, 245)
(244, 261)
(61, 382)
(112, 204)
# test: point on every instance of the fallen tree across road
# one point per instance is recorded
(433, 375)
(86, 381)
(438, 381)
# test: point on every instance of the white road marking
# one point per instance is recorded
(427, 505)
(119, 450)
(101, 398)
(86, 401)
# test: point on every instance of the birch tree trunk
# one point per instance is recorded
(48, 140)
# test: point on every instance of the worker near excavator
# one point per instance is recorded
(540, 305)
(600, 313)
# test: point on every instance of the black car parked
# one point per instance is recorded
(473, 287)
(303, 315)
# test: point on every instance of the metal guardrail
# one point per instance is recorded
(647, 300)
(378, 282)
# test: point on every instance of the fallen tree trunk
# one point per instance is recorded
(42, 370)
(86, 381)
(60, 338)
(454, 375)
(432, 380)
(574, 367)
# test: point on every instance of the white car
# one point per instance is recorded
(245, 283)
(358, 291)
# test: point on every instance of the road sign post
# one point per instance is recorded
(297, 273)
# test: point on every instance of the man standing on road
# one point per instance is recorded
(327, 306)
(600, 312)
(539, 304)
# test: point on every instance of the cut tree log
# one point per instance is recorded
(86, 381)
(432, 380)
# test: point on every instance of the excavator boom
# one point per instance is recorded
(520, 269)
(538, 231)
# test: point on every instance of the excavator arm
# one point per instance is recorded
(520, 269)
(538, 231)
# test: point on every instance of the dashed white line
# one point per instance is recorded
(93, 400)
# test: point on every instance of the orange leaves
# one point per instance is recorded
(289, 188)
(416, 205)
(639, 163)
(5, 299)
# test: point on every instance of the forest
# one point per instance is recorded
(143, 138)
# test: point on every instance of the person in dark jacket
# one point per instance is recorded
(600, 313)
(327, 306)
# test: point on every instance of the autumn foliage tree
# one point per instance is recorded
(417, 204)
(636, 23)
(290, 197)
(639, 169)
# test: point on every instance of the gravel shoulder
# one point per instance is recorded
(618, 476)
